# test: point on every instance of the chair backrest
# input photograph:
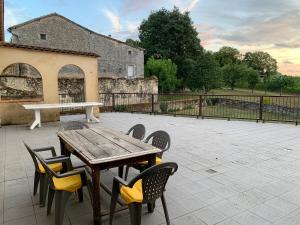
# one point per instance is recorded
(32, 154)
(138, 131)
(160, 139)
(50, 173)
(73, 125)
(154, 180)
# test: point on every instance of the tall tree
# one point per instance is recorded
(232, 74)
(165, 70)
(252, 77)
(227, 55)
(133, 43)
(262, 62)
(170, 35)
(204, 73)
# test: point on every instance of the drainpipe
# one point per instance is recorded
(2, 20)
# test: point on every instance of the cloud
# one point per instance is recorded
(279, 30)
(287, 62)
(114, 19)
(191, 6)
(133, 6)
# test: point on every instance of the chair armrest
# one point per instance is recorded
(120, 181)
(48, 148)
(68, 174)
(58, 159)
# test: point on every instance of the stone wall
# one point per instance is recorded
(122, 85)
(12, 87)
(62, 33)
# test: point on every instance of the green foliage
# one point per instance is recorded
(133, 43)
(232, 74)
(174, 110)
(278, 83)
(227, 55)
(252, 77)
(121, 108)
(204, 73)
(165, 71)
(267, 101)
(189, 106)
(262, 62)
(163, 106)
(170, 35)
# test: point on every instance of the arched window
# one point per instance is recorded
(21, 81)
(71, 84)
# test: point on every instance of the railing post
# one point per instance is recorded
(152, 103)
(113, 102)
(200, 106)
(261, 107)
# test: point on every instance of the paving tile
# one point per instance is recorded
(189, 219)
(248, 218)
(18, 213)
(23, 221)
(256, 179)
(209, 215)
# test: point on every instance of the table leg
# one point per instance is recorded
(121, 171)
(90, 115)
(96, 197)
(37, 119)
(151, 162)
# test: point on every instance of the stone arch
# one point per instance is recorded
(71, 87)
(21, 81)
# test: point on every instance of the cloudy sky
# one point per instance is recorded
(249, 25)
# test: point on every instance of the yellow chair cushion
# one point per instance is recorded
(56, 167)
(70, 184)
(158, 161)
(134, 194)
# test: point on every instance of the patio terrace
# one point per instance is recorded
(233, 173)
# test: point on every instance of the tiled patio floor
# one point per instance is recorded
(229, 173)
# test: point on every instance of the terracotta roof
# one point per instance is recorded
(70, 21)
(36, 48)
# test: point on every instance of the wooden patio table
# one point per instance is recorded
(104, 148)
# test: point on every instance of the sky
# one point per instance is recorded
(249, 25)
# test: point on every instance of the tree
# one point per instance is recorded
(227, 55)
(252, 77)
(165, 70)
(204, 73)
(279, 82)
(232, 74)
(170, 35)
(262, 62)
(133, 43)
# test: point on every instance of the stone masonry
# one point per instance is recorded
(56, 31)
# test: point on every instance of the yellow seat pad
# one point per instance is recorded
(134, 194)
(158, 161)
(56, 167)
(70, 184)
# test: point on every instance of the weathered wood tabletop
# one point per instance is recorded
(103, 148)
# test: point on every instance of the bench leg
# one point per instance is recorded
(89, 115)
(37, 119)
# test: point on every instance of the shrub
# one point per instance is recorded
(163, 107)
(121, 108)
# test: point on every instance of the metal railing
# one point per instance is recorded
(71, 98)
(249, 107)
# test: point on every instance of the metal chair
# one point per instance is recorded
(73, 125)
(159, 139)
(144, 188)
(138, 131)
(61, 185)
(40, 173)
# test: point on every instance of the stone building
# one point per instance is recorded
(118, 59)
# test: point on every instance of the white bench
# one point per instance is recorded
(37, 110)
